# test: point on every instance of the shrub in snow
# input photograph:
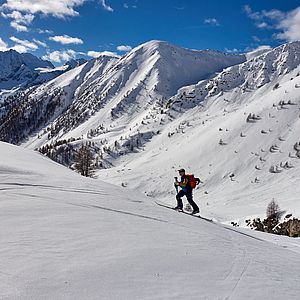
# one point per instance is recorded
(272, 209)
(222, 143)
(275, 169)
(274, 148)
(269, 224)
(297, 147)
(252, 118)
(286, 165)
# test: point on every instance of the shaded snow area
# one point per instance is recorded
(67, 237)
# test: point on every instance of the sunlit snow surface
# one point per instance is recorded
(67, 237)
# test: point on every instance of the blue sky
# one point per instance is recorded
(62, 29)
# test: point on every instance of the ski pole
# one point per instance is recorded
(176, 186)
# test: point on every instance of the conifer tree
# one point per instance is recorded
(84, 161)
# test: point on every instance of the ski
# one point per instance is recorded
(184, 212)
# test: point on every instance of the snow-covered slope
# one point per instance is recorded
(64, 236)
(237, 130)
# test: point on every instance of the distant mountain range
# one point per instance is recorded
(25, 70)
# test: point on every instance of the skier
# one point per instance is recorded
(186, 190)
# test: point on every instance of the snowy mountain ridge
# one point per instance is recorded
(150, 71)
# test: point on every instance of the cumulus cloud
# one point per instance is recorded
(65, 39)
(96, 54)
(57, 8)
(3, 45)
(18, 26)
(18, 17)
(40, 43)
(105, 6)
(262, 19)
(290, 26)
(251, 14)
(60, 56)
(124, 48)
(287, 24)
(212, 21)
(20, 21)
(20, 48)
(25, 44)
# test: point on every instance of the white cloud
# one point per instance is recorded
(38, 42)
(252, 53)
(274, 14)
(263, 25)
(251, 14)
(46, 31)
(18, 17)
(65, 39)
(20, 21)
(212, 21)
(260, 48)
(57, 8)
(124, 48)
(27, 45)
(96, 54)
(235, 50)
(18, 26)
(125, 5)
(3, 45)
(290, 26)
(105, 6)
(20, 48)
(287, 23)
(60, 56)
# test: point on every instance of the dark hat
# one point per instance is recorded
(181, 170)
